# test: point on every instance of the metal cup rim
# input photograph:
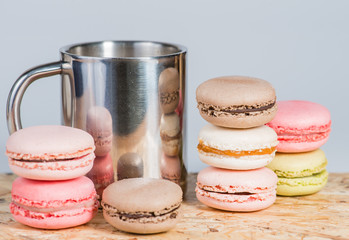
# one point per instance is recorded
(180, 49)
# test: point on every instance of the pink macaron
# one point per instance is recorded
(301, 126)
(240, 191)
(50, 152)
(53, 204)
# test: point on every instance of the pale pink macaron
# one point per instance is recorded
(50, 152)
(53, 204)
(301, 126)
(240, 191)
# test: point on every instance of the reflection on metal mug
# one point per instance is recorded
(126, 94)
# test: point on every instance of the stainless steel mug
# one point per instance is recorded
(130, 96)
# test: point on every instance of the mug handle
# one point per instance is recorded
(15, 96)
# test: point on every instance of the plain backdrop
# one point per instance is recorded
(301, 47)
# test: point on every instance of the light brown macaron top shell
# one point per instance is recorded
(169, 84)
(236, 101)
(142, 196)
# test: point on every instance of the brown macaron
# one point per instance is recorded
(142, 205)
(169, 90)
(236, 101)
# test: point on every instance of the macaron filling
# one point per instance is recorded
(142, 217)
(213, 110)
(54, 164)
(167, 98)
(166, 137)
(235, 153)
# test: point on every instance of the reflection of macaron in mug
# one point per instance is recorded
(170, 168)
(169, 90)
(170, 134)
(130, 165)
(99, 125)
(102, 173)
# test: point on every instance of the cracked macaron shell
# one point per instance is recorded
(292, 165)
(252, 98)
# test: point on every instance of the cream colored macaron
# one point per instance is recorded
(239, 149)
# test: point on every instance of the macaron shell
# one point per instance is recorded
(143, 228)
(302, 186)
(300, 115)
(49, 142)
(293, 165)
(238, 139)
(76, 188)
(164, 194)
(235, 90)
(56, 223)
(250, 180)
(296, 147)
(241, 163)
(248, 206)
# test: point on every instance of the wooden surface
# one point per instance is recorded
(324, 215)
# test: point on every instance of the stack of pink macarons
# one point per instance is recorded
(236, 143)
(51, 191)
(302, 128)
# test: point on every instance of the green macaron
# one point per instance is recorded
(300, 173)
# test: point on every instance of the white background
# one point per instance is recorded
(301, 47)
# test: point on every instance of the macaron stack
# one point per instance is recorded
(170, 126)
(99, 124)
(302, 127)
(236, 143)
(51, 191)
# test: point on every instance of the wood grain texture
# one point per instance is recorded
(324, 215)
